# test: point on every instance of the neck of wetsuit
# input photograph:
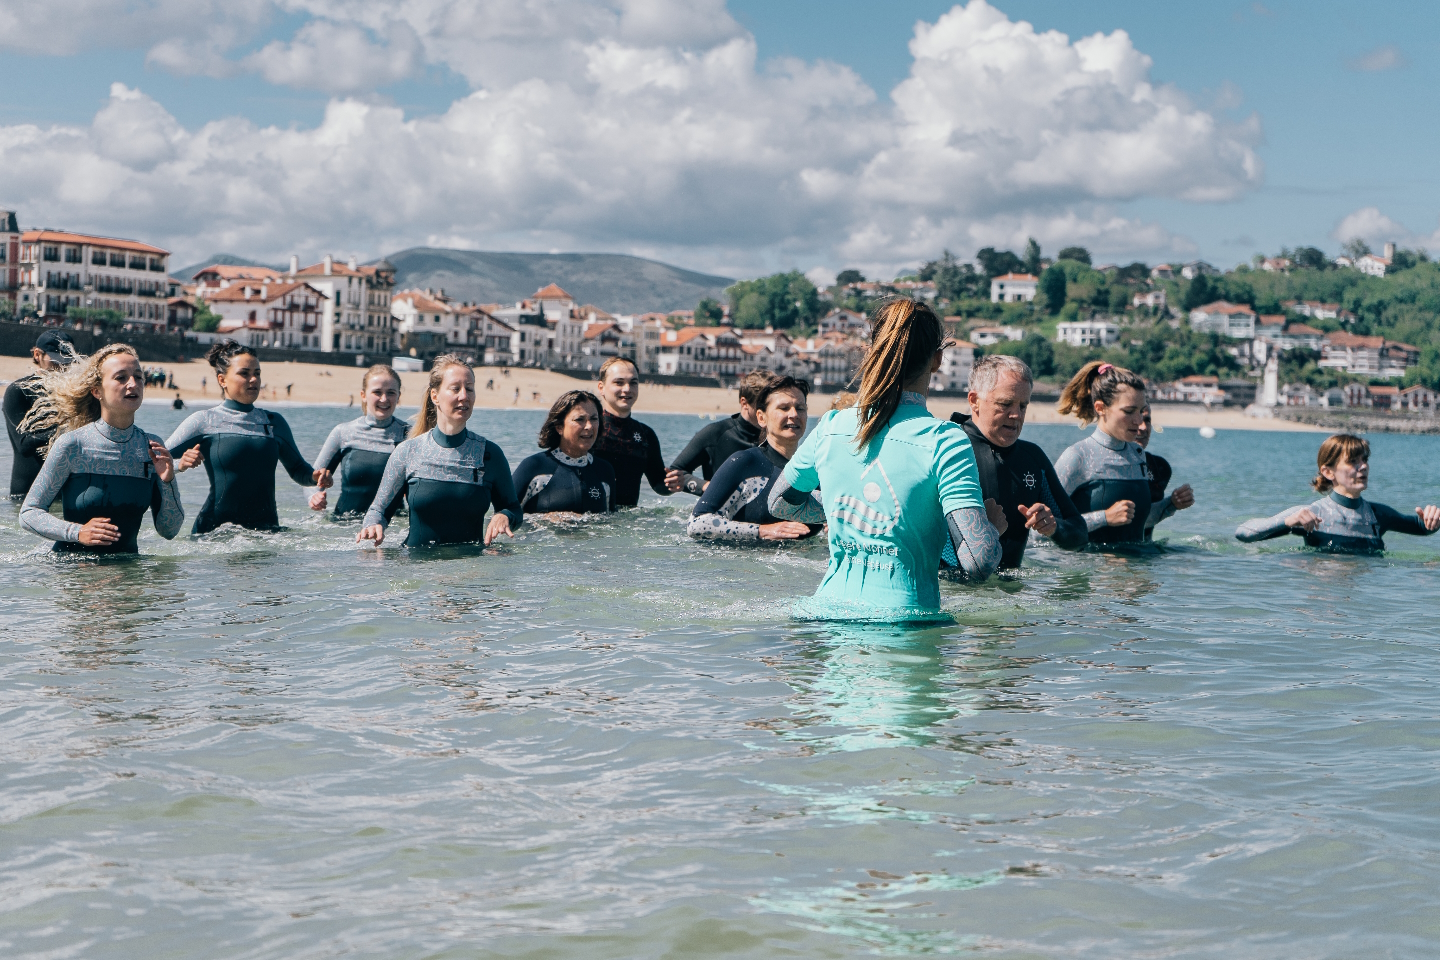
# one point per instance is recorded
(113, 433)
(237, 405)
(1352, 503)
(1114, 443)
(749, 431)
(375, 421)
(448, 440)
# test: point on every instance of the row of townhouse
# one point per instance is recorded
(1416, 399)
(1368, 356)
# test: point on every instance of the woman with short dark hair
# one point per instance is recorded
(565, 477)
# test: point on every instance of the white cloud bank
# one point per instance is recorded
(641, 126)
(1377, 229)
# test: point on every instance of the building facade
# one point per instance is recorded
(1227, 319)
(9, 258)
(283, 315)
(1088, 333)
(357, 303)
(59, 271)
(1013, 288)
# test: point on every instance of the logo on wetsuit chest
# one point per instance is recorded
(639, 439)
(595, 493)
(1028, 480)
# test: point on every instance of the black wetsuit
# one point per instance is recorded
(633, 450)
(735, 504)
(360, 449)
(1022, 475)
(712, 446)
(1160, 505)
(450, 483)
(19, 398)
(550, 482)
(241, 445)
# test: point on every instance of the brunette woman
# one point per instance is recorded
(566, 477)
(1106, 474)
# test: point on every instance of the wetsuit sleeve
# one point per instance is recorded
(165, 507)
(330, 453)
(1392, 520)
(714, 515)
(18, 402)
(527, 471)
(696, 453)
(1163, 510)
(790, 496)
(502, 495)
(1266, 528)
(655, 465)
(190, 432)
(392, 485)
(1071, 530)
(291, 458)
(35, 514)
(974, 541)
(1068, 470)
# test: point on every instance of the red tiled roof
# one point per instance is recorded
(1225, 307)
(57, 236)
(552, 292)
(236, 292)
(225, 271)
(421, 301)
(1020, 277)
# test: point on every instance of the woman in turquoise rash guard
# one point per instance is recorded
(895, 483)
(361, 448)
(450, 476)
(239, 445)
(106, 471)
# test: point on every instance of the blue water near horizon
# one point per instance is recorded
(607, 740)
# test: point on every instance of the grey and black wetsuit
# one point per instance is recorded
(711, 447)
(25, 467)
(1346, 525)
(736, 504)
(99, 471)
(1161, 506)
(450, 483)
(633, 451)
(360, 449)
(1022, 475)
(1099, 472)
(241, 445)
(550, 482)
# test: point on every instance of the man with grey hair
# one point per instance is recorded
(1015, 473)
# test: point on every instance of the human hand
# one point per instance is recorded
(374, 532)
(500, 523)
(1429, 516)
(1303, 519)
(318, 500)
(674, 481)
(783, 530)
(1120, 513)
(99, 532)
(190, 458)
(1183, 498)
(164, 463)
(1039, 518)
(996, 514)
(324, 479)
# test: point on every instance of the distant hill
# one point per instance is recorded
(225, 259)
(611, 281)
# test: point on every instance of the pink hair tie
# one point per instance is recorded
(1103, 369)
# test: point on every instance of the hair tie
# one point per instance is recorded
(1103, 369)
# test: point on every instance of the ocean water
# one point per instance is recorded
(605, 740)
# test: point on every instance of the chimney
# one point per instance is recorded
(264, 291)
(329, 264)
(1389, 251)
(352, 263)
(294, 264)
(247, 293)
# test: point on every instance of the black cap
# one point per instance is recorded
(51, 342)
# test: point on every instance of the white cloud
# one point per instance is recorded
(1388, 57)
(1377, 229)
(643, 126)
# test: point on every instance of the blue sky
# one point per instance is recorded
(1325, 95)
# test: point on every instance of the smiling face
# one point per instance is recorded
(241, 382)
(455, 397)
(620, 389)
(382, 395)
(783, 418)
(122, 386)
(1123, 418)
(579, 429)
(999, 413)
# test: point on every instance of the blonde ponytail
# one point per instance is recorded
(427, 418)
(904, 338)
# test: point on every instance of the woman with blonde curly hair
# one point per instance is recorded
(106, 471)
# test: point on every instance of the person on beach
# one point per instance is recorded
(565, 477)
(735, 504)
(1162, 507)
(628, 445)
(450, 476)
(1015, 473)
(239, 445)
(1105, 474)
(361, 448)
(52, 351)
(713, 444)
(898, 483)
(1342, 521)
(106, 471)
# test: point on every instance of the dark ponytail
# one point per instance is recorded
(905, 335)
(1097, 380)
(222, 352)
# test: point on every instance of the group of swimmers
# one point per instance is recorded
(904, 497)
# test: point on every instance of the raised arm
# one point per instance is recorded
(1163, 510)
(35, 514)
(1412, 523)
(189, 434)
(291, 458)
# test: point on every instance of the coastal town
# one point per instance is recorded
(334, 310)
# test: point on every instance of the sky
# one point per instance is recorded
(737, 137)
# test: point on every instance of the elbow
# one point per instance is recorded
(699, 527)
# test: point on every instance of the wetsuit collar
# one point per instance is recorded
(1347, 502)
(445, 440)
(114, 434)
(1105, 440)
(237, 405)
(748, 431)
(773, 455)
(910, 396)
(584, 461)
(373, 422)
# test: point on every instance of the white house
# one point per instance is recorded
(848, 322)
(956, 365)
(431, 315)
(1288, 336)
(59, 270)
(286, 315)
(1013, 288)
(1372, 265)
(990, 335)
(1163, 272)
(357, 303)
(1225, 318)
(1371, 356)
(1198, 268)
(1155, 299)
(1088, 333)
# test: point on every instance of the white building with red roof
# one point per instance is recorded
(1227, 319)
(1367, 356)
(956, 365)
(286, 315)
(433, 321)
(60, 270)
(218, 276)
(1013, 288)
(1373, 265)
(357, 305)
(701, 352)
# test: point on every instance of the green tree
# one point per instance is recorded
(1032, 257)
(953, 280)
(781, 300)
(7, 308)
(1310, 258)
(1198, 293)
(1052, 284)
(850, 276)
(206, 320)
(1075, 253)
(994, 263)
(708, 313)
(111, 319)
(1355, 248)
(1037, 352)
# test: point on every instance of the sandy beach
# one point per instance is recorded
(529, 389)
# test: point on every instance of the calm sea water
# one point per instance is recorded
(607, 741)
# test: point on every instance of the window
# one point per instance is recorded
(72, 255)
(52, 254)
(137, 262)
(117, 259)
(157, 265)
(97, 257)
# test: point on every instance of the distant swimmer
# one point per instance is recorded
(1161, 506)
(177, 403)
(896, 482)
(362, 447)
(566, 477)
(450, 476)
(1016, 473)
(1343, 521)
(239, 445)
(735, 505)
(1105, 474)
(713, 444)
(625, 443)
(52, 351)
(105, 470)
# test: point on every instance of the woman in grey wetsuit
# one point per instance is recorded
(450, 476)
(1343, 521)
(361, 448)
(106, 471)
(1106, 474)
(239, 444)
